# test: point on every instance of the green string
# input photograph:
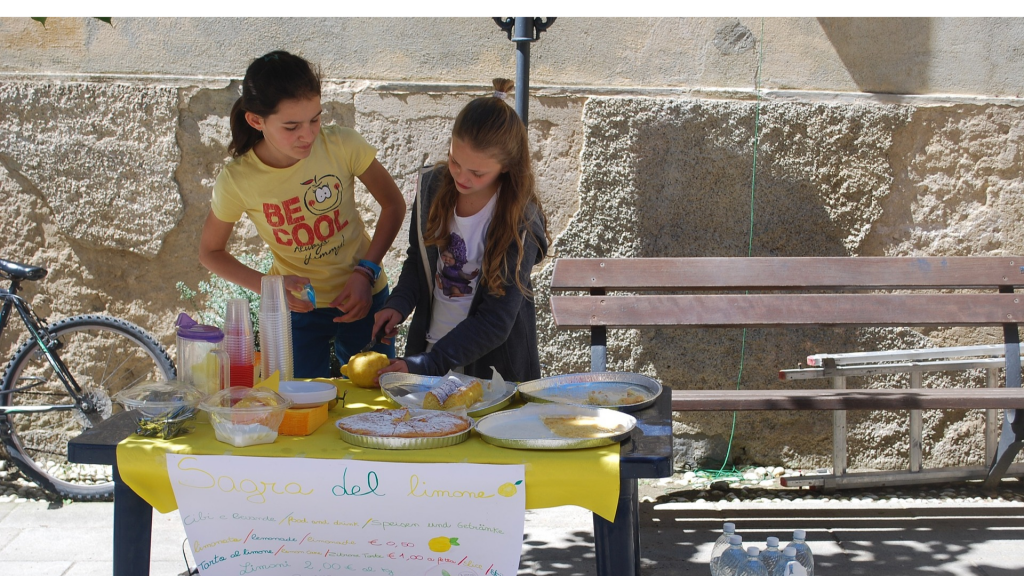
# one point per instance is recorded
(750, 246)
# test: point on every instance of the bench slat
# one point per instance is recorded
(847, 399)
(786, 273)
(767, 310)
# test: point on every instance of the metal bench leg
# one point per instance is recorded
(617, 544)
(1012, 437)
(133, 530)
(1010, 442)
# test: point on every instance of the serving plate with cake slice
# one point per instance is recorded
(555, 427)
(447, 392)
(624, 391)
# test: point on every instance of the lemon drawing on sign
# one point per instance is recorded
(508, 489)
(442, 543)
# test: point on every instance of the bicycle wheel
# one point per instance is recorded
(104, 355)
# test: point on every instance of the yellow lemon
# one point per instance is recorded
(362, 368)
(442, 543)
(206, 374)
(508, 489)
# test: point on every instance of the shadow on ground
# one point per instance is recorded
(676, 539)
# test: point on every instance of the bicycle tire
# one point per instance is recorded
(105, 355)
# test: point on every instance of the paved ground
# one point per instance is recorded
(894, 537)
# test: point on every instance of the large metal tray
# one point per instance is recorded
(523, 428)
(408, 390)
(396, 443)
(581, 389)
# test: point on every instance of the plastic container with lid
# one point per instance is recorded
(244, 416)
(201, 361)
(161, 409)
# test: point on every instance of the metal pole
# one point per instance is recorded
(523, 35)
(523, 31)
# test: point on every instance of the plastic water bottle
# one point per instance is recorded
(803, 551)
(728, 529)
(788, 557)
(752, 566)
(771, 555)
(734, 556)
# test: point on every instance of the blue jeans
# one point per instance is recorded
(312, 332)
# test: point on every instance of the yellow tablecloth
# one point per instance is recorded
(587, 478)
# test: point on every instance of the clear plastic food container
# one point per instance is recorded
(244, 416)
(161, 409)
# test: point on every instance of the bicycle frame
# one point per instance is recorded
(42, 337)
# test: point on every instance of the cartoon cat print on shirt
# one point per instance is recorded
(454, 281)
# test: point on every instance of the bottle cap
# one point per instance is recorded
(729, 527)
(789, 551)
(799, 535)
(773, 541)
(753, 551)
(735, 540)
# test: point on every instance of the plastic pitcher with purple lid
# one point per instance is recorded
(201, 362)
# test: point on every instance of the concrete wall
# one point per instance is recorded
(876, 137)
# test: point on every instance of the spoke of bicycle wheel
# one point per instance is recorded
(109, 354)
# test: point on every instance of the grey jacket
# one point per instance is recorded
(499, 331)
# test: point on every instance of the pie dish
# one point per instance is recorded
(405, 429)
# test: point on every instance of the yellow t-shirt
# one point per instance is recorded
(306, 213)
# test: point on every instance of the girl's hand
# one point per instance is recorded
(397, 365)
(355, 298)
(388, 319)
(294, 284)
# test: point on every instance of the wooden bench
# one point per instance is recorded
(796, 292)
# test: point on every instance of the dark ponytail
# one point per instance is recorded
(269, 79)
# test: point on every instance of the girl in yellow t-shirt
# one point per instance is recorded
(295, 182)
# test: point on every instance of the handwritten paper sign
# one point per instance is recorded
(304, 516)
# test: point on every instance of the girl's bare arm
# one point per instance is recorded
(214, 255)
(392, 209)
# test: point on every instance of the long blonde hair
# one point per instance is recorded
(491, 126)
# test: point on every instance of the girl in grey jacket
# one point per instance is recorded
(477, 231)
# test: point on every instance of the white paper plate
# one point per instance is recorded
(408, 390)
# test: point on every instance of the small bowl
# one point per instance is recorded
(161, 409)
(307, 394)
(244, 416)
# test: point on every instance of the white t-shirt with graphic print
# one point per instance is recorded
(458, 271)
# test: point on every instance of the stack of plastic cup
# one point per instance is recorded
(275, 329)
(238, 341)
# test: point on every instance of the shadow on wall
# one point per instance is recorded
(883, 55)
(672, 178)
(694, 193)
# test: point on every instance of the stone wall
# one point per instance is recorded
(643, 133)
